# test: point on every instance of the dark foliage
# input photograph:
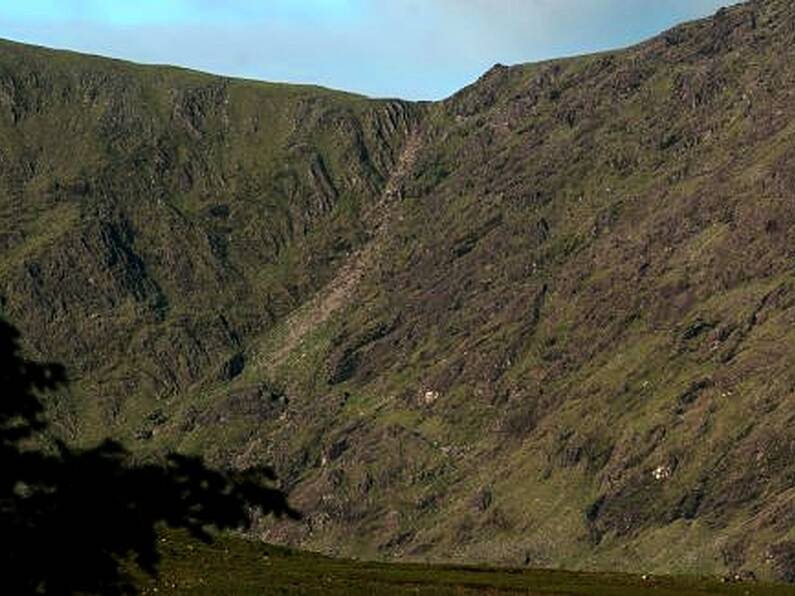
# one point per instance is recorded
(68, 518)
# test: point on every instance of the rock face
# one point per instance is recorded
(547, 321)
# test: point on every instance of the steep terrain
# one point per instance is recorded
(547, 322)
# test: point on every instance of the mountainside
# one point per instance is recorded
(549, 321)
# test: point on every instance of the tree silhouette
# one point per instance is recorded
(69, 517)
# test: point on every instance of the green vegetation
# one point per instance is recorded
(546, 322)
(68, 518)
(231, 565)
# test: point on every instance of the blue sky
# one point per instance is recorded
(416, 49)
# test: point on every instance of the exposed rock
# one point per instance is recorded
(571, 283)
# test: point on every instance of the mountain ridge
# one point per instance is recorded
(570, 344)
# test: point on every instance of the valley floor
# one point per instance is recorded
(234, 566)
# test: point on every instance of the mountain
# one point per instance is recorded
(548, 321)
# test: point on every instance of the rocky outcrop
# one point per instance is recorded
(546, 321)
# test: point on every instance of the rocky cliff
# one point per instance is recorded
(548, 321)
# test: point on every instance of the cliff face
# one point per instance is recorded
(547, 321)
(154, 218)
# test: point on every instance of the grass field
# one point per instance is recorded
(234, 566)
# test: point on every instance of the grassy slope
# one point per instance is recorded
(588, 282)
(592, 273)
(231, 565)
(185, 212)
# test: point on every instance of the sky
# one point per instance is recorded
(414, 49)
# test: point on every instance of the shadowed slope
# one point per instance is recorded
(68, 518)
